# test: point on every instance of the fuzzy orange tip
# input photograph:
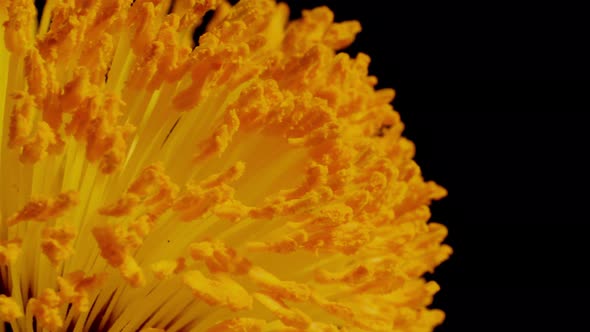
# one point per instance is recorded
(255, 182)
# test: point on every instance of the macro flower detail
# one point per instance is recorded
(255, 181)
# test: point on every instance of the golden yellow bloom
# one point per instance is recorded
(256, 182)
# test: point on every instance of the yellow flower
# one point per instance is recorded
(256, 182)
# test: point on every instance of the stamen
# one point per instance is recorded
(252, 181)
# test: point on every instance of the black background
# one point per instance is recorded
(483, 89)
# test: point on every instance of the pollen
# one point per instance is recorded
(254, 181)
